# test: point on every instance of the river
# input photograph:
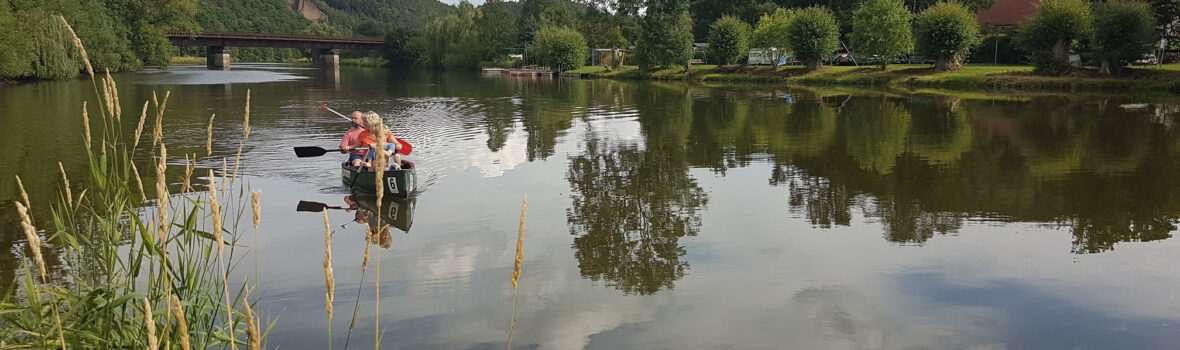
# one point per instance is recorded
(672, 215)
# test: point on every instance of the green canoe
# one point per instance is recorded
(398, 183)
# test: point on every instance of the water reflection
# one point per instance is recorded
(629, 209)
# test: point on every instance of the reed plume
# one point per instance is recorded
(138, 181)
(160, 107)
(66, 184)
(24, 195)
(78, 45)
(117, 110)
(209, 139)
(26, 223)
(181, 323)
(162, 195)
(150, 324)
(246, 120)
(329, 278)
(215, 209)
(85, 125)
(255, 199)
(519, 242)
(253, 334)
(139, 126)
(516, 267)
(189, 166)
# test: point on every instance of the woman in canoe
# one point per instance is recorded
(374, 127)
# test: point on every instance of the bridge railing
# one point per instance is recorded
(274, 37)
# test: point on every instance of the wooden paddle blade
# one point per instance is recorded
(310, 206)
(406, 147)
(309, 151)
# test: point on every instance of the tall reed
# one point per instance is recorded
(516, 267)
(123, 259)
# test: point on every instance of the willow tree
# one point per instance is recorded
(882, 28)
(947, 32)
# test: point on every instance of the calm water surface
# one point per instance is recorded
(665, 215)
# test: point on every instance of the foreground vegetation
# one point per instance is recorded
(970, 76)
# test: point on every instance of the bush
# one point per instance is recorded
(729, 40)
(666, 39)
(1124, 31)
(946, 32)
(813, 35)
(882, 28)
(772, 30)
(561, 49)
(1050, 33)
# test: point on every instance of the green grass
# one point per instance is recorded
(187, 61)
(971, 76)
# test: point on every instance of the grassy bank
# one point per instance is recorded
(972, 76)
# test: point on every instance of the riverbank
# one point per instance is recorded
(1000, 77)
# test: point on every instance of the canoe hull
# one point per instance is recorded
(398, 183)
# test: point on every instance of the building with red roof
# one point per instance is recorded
(1007, 12)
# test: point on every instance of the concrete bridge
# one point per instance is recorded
(325, 55)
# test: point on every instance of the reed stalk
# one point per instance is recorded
(78, 45)
(162, 194)
(516, 267)
(209, 139)
(139, 126)
(150, 325)
(26, 223)
(23, 195)
(66, 184)
(246, 119)
(85, 125)
(181, 324)
(189, 166)
(138, 182)
(256, 205)
(329, 277)
(253, 334)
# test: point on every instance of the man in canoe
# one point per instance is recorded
(374, 127)
(355, 155)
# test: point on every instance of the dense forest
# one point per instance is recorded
(121, 35)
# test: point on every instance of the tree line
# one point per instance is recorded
(661, 32)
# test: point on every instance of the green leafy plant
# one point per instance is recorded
(729, 40)
(813, 35)
(882, 28)
(1049, 34)
(1124, 31)
(561, 49)
(946, 32)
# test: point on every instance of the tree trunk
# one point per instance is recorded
(1106, 68)
(1061, 51)
(814, 65)
(943, 64)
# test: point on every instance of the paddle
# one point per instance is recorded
(406, 147)
(314, 206)
(311, 151)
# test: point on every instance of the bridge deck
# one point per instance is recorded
(294, 41)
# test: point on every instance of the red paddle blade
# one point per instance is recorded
(324, 107)
(406, 147)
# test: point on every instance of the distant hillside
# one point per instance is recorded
(270, 16)
(375, 17)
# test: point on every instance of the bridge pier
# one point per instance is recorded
(326, 58)
(216, 58)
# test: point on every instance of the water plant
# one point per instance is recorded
(123, 258)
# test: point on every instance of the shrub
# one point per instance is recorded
(813, 35)
(1124, 31)
(946, 32)
(882, 28)
(729, 40)
(1050, 33)
(772, 32)
(561, 49)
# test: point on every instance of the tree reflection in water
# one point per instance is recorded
(629, 209)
